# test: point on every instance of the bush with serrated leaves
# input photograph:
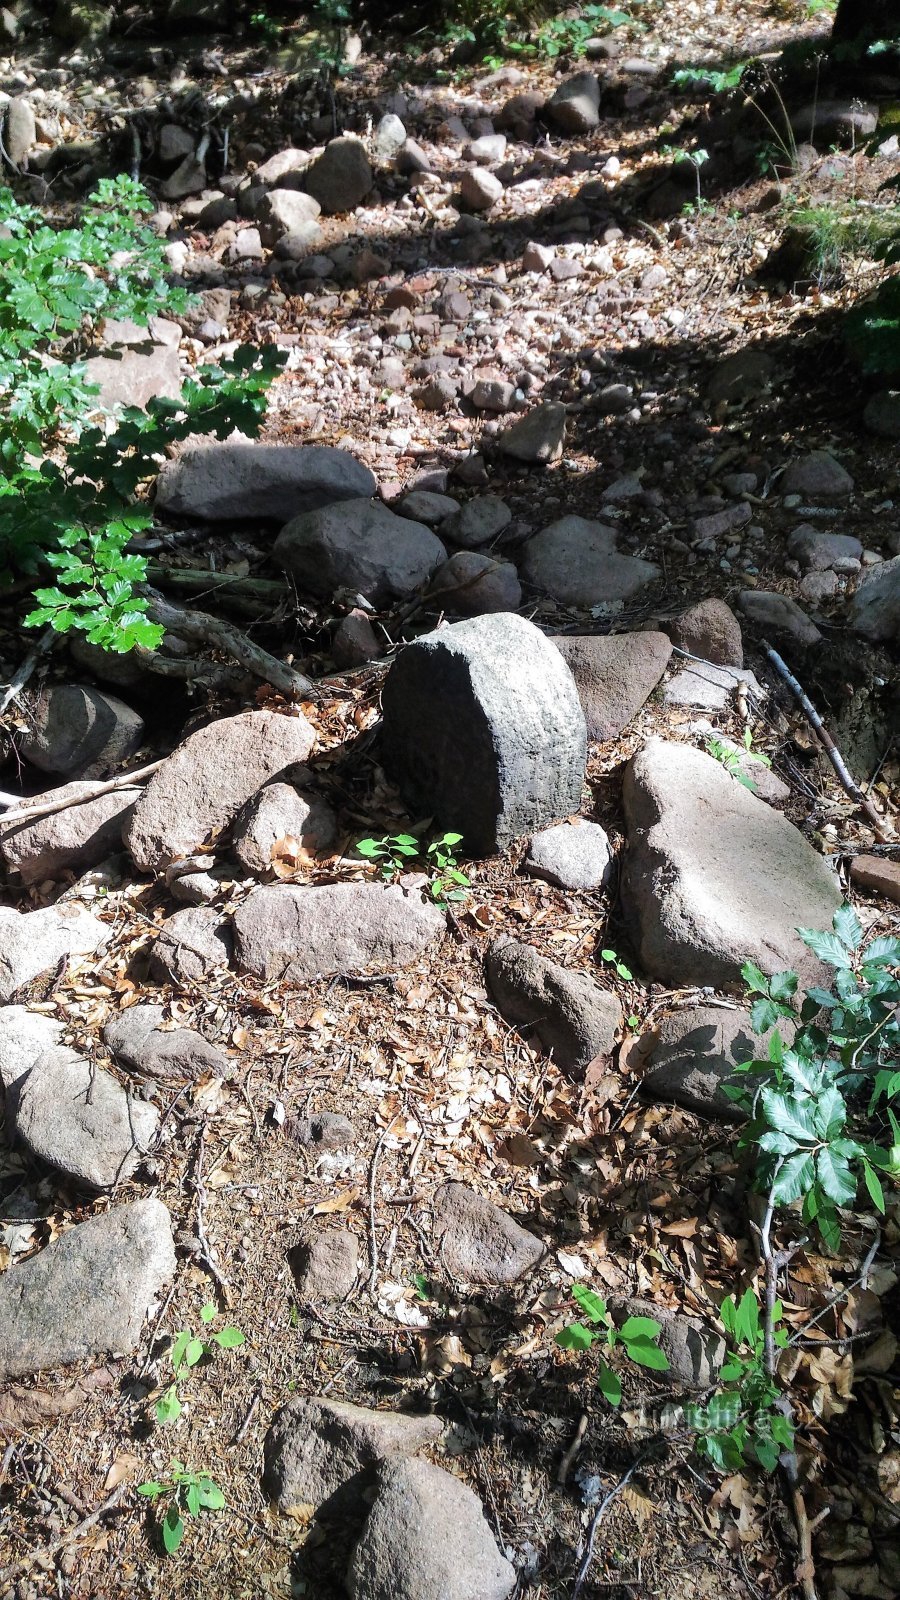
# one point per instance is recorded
(745, 1419)
(70, 490)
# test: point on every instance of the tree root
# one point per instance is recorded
(199, 627)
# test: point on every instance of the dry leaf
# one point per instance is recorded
(22, 1408)
(123, 1470)
(639, 1504)
(338, 1202)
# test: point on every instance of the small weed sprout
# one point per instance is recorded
(186, 1351)
(395, 851)
(450, 883)
(392, 852)
(638, 1337)
(188, 1493)
(621, 970)
(731, 759)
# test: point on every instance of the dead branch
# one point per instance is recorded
(846, 778)
(192, 669)
(604, 1505)
(199, 627)
(49, 808)
(23, 672)
(565, 1465)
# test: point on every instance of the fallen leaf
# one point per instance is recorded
(123, 1470)
(339, 1202)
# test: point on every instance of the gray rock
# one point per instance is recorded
(493, 394)
(301, 242)
(316, 1448)
(326, 1130)
(778, 614)
(743, 376)
(577, 562)
(341, 177)
(437, 394)
(390, 137)
(875, 612)
(285, 170)
(78, 1118)
(79, 731)
(471, 585)
(571, 856)
(131, 373)
(713, 876)
(239, 481)
(71, 840)
(538, 436)
(711, 631)
(287, 211)
(189, 177)
(325, 1262)
(21, 130)
(575, 107)
(483, 729)
(427, 1539)
(421, 505)
(817, 587)
(477, 1242)
(295, 934)
(24, 1035)
(136, 1037)
(202, 785)
(88, 1293)
(280, 811)
(191, 944)
(816, 551)
(196, 881)
(477, 522)
(707, 686)
(488, 149)
(614, 674)
(696, 1054)
(359, 546)
(817, 476)
(479, 189)
(695, 1351)
(829, 122)
(33, 943)
(882, 414)
(572, 1018)
(355, 641)
(537, 257)
(412, 159)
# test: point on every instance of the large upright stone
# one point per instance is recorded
(341, 177)
(293, 934)
(202, 785)
(575, 107)
(484, 731)
(79, 731)
(359, 546)
(577, 561)
(88, 1293)
(715, 877)
(615, 674)
(240, 481)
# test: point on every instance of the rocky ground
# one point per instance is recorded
(585, 453)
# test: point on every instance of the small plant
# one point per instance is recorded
(731, 758)
(188, 1493)
(745, 1420)
(450, 882)
(393, 851)
(697, 159)
(263, 24)
(638, 1337)
(187, 1349)
(695, 78)
(569, 35)
(621, 970)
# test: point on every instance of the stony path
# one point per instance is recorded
(384, 1131)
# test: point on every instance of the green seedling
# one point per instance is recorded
(188, 1493)
(731, 759)
(621, 970)
(450, 883)
(392, 853)
(187, 1349)
(745, 1420)
(638, 1337)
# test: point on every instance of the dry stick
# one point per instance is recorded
(205, 1253)
(848, 782)
(607, 1500)
(23, 673)
(49, 1552)
(50, 807)
(373, 1237)
(193, 669)
(199, 627)
(244, 1428)
(565, 1466)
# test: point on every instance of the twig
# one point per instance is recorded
(23, 672)
(373, 1237)
(848, 782)
(605, 1503)
(48, 1552)
(565, 1465)
(192, 669)
(861, 1278)
(199, 627)
(244, 1428)
(205, 1253)
(48, 808)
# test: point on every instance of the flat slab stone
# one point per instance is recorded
(285, 931)
(202, 785)
(427, 1530)
(571, 855)
(478, 1242)
(715, 877)
(33, 943)
(79, 837)
(577, 562)
(241, 481)
(24, 1035)
(876, 873)
(136, 1038)
(484, 731)
(87, 1294)
(317, 1447)
(709, 686)
(615, 675)
(78, 1118)
(572, 1018)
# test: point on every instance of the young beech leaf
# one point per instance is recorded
(172, 1529)
(575, 1337)
(211, 1496)
(591, 1304)
(229, 1338)
(609, 1383)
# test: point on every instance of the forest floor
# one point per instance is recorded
(635, 1199)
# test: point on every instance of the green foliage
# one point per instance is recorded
(731, 759)
(638, 1337)
(187, 1349)
(270, 30)
(68, 492)
(799, 1098)
(621, 970)
(744, 1421)
(395, 851)
(569, 35)
(872, 329)
(188, 1493)
(522, 27)
(694, 79)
